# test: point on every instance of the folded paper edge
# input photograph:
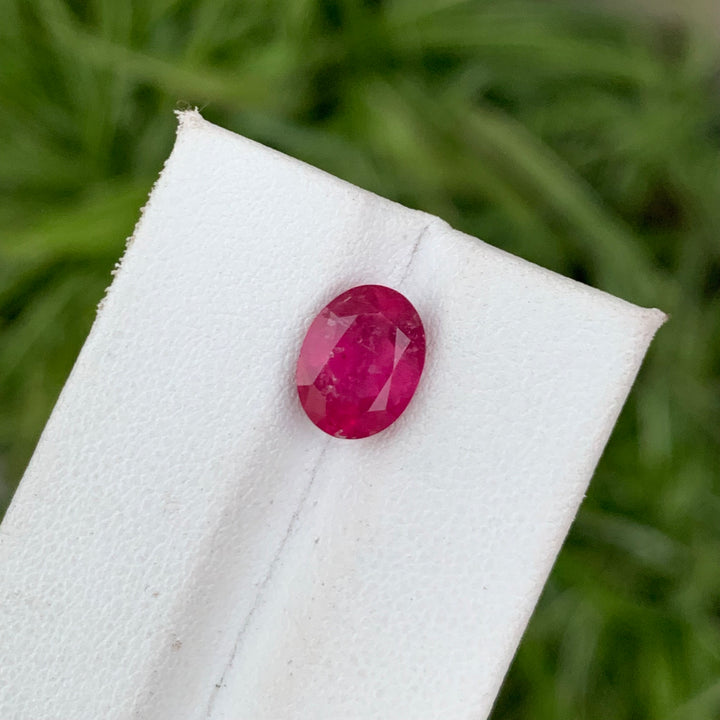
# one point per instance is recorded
(191, 120)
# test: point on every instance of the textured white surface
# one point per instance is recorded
(186, 544)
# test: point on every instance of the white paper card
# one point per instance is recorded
(186, 544)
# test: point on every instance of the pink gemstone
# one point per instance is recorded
(361, 361)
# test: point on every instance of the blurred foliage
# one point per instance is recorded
(579, 140)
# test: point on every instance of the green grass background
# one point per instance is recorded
(583, 141)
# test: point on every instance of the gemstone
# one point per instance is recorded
(361, 361)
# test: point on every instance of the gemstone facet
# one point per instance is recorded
(361, 361)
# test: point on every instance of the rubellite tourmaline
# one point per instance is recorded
(361, 361)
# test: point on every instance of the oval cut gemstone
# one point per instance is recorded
(361, 361)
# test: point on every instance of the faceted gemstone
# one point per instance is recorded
(361, 361)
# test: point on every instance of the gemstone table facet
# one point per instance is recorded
(361, 361)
